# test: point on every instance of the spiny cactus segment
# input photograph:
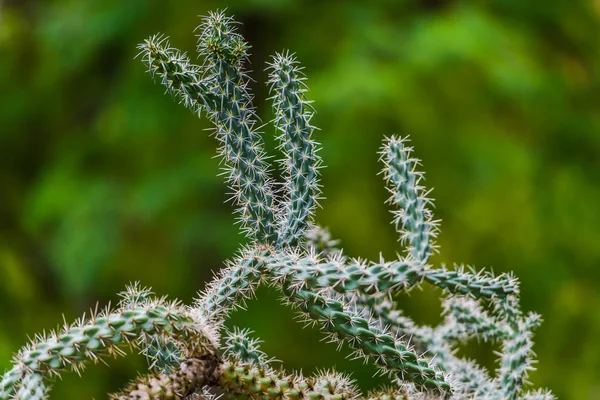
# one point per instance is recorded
(413, 218)
(104, 334)
(301, 163)
(190, 352)
(240, 344)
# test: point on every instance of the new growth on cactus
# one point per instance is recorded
(190, 352)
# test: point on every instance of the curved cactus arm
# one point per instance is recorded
(301, 163)
(232, 112)
(517, 357)
(413, 218)
(173, 69)
(341, 322)
(104, 334)
(475, 284)
(232, 286)
(261, 383)
(344, 276)
(367, 339)
(193, 373)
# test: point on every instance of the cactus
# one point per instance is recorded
(190, 352)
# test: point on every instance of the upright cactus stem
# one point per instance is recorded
(292, 118)
(189, 351)
(517, 357)
(232, 112)
(413, 219)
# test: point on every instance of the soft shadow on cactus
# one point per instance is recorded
(190, 353)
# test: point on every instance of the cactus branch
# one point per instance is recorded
(233, 285)
(104, 334)
(377, 277)
(517, 357)
(301, 163)
(232, 112)
(413, 219)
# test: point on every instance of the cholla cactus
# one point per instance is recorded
(189, 351)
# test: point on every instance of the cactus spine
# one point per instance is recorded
(189, 350)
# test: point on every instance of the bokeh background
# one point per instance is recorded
(104, 180)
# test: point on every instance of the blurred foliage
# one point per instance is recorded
(103, 180)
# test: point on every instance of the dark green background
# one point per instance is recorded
(104, 180)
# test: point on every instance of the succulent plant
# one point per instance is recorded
(190, 352)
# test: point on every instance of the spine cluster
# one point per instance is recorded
(190, 352)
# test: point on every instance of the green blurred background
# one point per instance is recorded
(104, 180)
